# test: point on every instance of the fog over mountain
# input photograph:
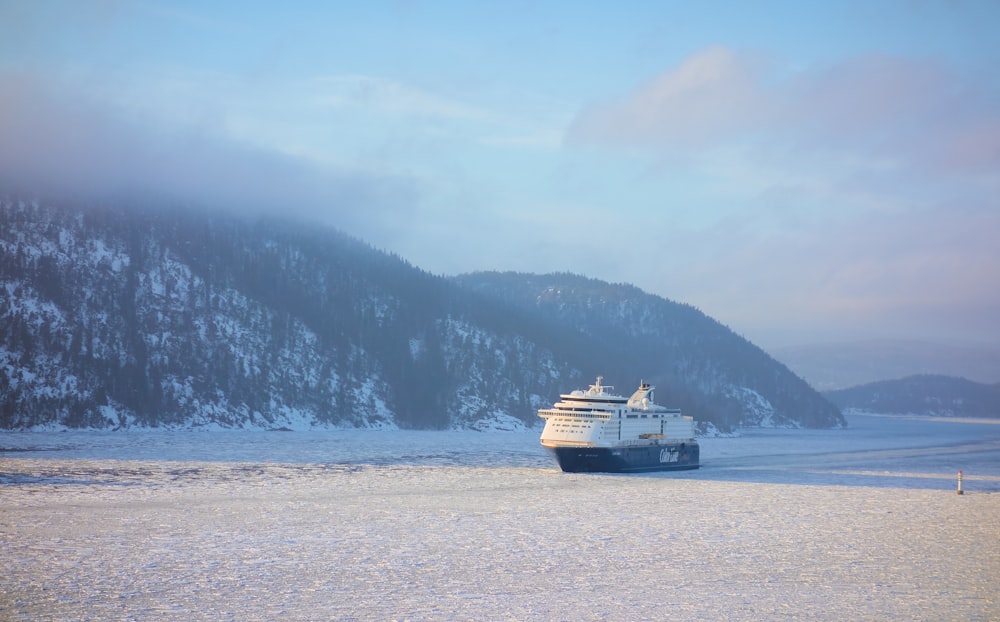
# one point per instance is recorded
(122, 315)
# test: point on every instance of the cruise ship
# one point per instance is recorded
(598, 431)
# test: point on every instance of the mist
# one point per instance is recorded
(62, 144)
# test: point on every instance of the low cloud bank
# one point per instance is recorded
(60, 142)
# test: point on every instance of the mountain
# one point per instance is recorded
(923, 395)
(703, 365)
(121, 315)
(831, 366)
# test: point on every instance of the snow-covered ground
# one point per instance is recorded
(861, 523)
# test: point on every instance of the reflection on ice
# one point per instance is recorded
(860, 523)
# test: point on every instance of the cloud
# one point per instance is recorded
(708, 97)
(912, 114)
(392, 98)
(387, 102)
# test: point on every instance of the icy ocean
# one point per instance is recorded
(856, 524)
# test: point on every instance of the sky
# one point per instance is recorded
(802, 172)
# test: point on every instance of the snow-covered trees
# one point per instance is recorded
(119, 316)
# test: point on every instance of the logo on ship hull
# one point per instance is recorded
(669, 454)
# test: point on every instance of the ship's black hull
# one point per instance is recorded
(633, 459)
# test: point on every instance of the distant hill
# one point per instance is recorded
(923, 395)
(119, 316)
(841, 365)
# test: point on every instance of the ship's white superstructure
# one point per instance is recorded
(601, 420)
(597, 418)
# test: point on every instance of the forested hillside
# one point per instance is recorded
(923, 395)
(119, 316)
(702, 365)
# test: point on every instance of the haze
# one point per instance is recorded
(801, 173)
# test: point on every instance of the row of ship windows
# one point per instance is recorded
(600, 414)
(576, 421)
(589, 413)
(588, 416)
